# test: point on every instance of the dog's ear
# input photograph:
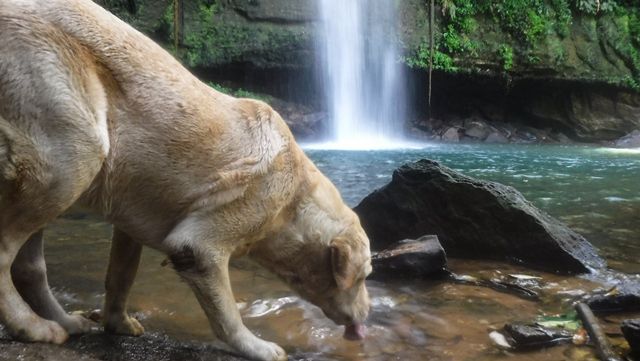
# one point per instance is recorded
(344, 271)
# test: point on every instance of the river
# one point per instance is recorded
(594, 190)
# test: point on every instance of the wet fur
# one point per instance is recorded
(91, 111)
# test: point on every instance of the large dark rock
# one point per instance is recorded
(622, 293)
(472, 218)
(410, 258)
(526, 336)
(631, 331)
(615, 303)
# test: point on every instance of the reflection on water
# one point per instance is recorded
(593, 191)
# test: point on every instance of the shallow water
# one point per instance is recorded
(595, 191)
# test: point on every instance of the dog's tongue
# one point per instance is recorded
(355, 332)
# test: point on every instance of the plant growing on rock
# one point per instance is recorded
(506, 53)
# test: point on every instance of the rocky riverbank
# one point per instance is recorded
(99, 346)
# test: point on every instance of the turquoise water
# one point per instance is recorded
(596, 191)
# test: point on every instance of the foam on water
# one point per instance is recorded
(365, 144)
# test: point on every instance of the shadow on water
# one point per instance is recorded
(595, 192)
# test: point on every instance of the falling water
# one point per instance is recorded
(362, 74)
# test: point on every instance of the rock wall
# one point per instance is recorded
(541, 63)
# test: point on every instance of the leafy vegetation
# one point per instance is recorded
(208, 40)
(240, 93)
(506, 52)
(532, 33)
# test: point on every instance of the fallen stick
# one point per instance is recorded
(598, 337)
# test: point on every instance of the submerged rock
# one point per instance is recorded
(472, 218)
(631, 331)
(410, 258)
(524, 336)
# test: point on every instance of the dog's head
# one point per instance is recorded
(323, 254)
(346, 300)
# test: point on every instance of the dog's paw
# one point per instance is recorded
(43, 331)
(76, 324)
(123, 325)
(269, 351)
(255, 348)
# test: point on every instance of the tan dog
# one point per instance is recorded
(95, 112)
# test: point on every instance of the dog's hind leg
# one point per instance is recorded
(36, 190)
(29, 274)
(123, 265)
(54, 139)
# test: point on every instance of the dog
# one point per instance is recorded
(92, 112)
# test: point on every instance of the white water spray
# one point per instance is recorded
(363, 77)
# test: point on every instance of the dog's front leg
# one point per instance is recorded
(207, 272)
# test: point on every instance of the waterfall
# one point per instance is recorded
(363, 77)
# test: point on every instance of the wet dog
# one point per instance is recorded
(93, 112)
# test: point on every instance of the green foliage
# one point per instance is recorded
(634, 27)
(563, 16)
(420, 59)
(526, 20)
(558, 53)
(631, 83)
(442, 61)
(240, 93)
(595, 6)
(506, 54)
(455, 42)
(449, 8)
(207, 40)
(459, 25)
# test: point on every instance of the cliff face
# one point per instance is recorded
(553, 39)
(571, 65)
(272, 34)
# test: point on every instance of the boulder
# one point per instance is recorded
(452, 135)
(477, 129)
(472, 218)
(631, 331)
(303, 121)
(410, 259)
(631, 140)
(497, 138)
